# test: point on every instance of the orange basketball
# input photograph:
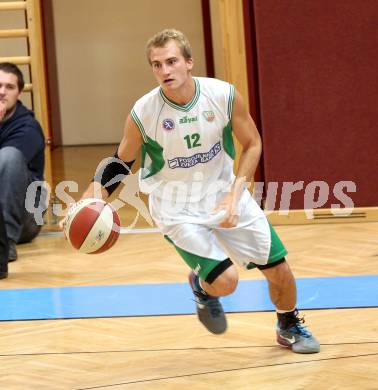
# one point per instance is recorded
(92, 226)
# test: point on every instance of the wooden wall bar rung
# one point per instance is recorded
(16, 60)
(28, 87)
(12, 5)
(16, 33)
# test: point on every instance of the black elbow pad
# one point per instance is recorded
(112, 172)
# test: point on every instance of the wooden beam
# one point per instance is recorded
(15, 33)
(208, 39)
(233, 43)
(22, 60)
(28, 87)
(232, 25)
(37, 69)
(12, 6)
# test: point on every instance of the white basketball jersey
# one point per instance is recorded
(188, 150)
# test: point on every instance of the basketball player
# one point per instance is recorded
(184, 130)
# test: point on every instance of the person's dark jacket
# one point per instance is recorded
(23, 132)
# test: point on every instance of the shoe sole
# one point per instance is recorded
(285, 344)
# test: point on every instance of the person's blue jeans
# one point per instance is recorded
(4, 247)
(14, 180)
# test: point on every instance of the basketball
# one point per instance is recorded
(92, 226)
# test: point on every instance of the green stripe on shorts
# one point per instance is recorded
(202, 266)
(277, 249)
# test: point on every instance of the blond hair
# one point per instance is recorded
(163, 37)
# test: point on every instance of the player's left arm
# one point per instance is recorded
(246, 133)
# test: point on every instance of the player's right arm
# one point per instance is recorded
(128, 150)
(131, 142)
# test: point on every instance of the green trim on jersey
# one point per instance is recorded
(139, 124)
(150, 148)
(277, 249)
(228, 141)
(202, 266)
(185, 107)
(230, 101)
(155, 152)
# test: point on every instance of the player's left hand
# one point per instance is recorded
(229, 205)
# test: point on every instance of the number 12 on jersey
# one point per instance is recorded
(192, 141)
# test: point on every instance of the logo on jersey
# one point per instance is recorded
(168, 124)
(188, 119)
(199, 158)
(209, 115)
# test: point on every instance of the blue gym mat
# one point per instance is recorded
(176, 298)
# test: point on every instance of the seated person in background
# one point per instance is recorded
(21, 158)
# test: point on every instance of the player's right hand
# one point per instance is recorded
(61, 223)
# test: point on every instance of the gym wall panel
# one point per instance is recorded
(101, 63)
(318, 90)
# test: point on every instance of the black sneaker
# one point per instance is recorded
(209, 309)
(12, 256)
(292, 334)
(3, 270)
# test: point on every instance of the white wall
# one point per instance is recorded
(101, 63)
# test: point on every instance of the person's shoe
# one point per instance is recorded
(3, 271)
(292, 334)
(209, 309)
(12, 256)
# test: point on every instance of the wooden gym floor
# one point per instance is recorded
(175, 351)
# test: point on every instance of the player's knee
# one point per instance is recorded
(278, 273)
(226, 282)
(11, 157)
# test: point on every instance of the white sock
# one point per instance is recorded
(285, 311)
(200, 284)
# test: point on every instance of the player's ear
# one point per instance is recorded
(189, 63)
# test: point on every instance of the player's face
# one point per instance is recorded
(9, 92)
(170, 67)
